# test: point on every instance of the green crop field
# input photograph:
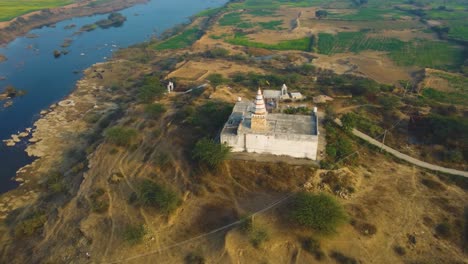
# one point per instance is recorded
(182, 40)
(10, 9)
(294, 44)
(424, 53)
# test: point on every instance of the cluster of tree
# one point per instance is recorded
(445, 130)
(357, 86)
(158, 196)
(113, 20)
(210, 153)
(254, 80)
(208, 118)
(321, 13)
(150, 89)
(320, 212)
(339, 147)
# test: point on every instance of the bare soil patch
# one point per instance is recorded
(375, 65)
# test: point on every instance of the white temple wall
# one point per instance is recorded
(298, 146)
(234, 141)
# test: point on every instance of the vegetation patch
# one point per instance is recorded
(257, 235)
(342, 258)
(319, 212)
(424, 53)
(211, 153)
(98, 201)
(120, 135)
(133, 234)
(155, 111)
(11, 9)
(158, 196)
(303, 44)
(31, 225)
(180, 41)
(312, 246)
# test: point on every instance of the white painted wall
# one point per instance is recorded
(298, 146)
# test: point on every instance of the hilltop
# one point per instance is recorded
(117, 179)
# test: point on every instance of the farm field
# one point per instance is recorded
(424, 53)
(13, 8)
(182, 40)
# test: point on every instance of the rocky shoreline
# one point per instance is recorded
(23, 24)
(59, 130)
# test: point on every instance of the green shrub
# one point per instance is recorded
(443, 230)
(348, 121)
(320, 212)
(55, 183)
(120, 136)
(31, 225)
(160, 197)
(258, 236)
(98, 203)
(216, 79)
(343, 259)
(155, 111)
(133, 234)
(313, 246)
(210, 153)
(208, 118)
(194, 258)
(150, 89)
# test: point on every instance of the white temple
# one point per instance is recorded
(251, 128)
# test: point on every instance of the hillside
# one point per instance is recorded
(118, 181)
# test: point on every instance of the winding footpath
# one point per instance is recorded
(405, 157)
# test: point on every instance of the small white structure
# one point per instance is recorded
(170, 87)
(273, 97)
(250, 128)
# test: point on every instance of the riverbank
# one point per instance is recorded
(19, 26)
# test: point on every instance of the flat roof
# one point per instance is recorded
(277, 123)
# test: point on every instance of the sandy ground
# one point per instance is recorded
(198, 70)
(375, 65)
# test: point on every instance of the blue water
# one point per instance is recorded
(31, 65)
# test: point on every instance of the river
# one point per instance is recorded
(31, 65)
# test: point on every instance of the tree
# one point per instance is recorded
(348, 122)
(216, 79)
(155, 195)
(150, 89)
(321, 13)
(320, 212)
(210, 153)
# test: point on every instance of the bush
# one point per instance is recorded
(120, 136)
(155, 195)
(150, 89)
(217, 52)
(210, 153)
(208, 118)
(155, 111)
(313, 246)
(216, 79)
(343, 259)
(258, 236)
(349, 121)
(401, 251)
(31, 225)
(133, 234)
(98, 203)
(55, 183)
(194, 258)
(320, 212)
(443, 230)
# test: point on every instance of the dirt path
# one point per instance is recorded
(405, 157)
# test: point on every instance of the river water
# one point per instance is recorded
(31, 65)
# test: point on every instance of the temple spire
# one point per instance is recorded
(259, 103)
